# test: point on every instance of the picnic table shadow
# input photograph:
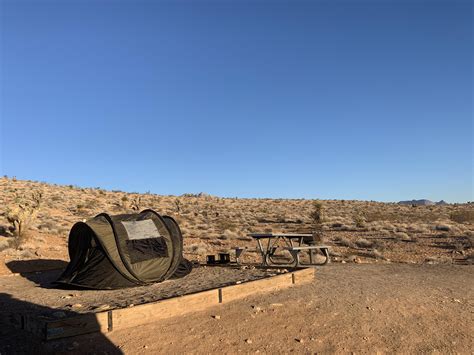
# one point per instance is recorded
(19, 341)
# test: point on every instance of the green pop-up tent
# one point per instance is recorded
(109, 252)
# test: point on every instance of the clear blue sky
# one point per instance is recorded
(315, 99)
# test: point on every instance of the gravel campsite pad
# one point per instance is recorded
(37, 293)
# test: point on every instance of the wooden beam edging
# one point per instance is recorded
(149, 312)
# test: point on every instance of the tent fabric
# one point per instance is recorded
(109, 252)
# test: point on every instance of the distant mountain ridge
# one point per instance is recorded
(423, 202)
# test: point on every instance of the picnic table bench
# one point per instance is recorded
(294, 243)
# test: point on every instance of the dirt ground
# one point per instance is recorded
(349, 308)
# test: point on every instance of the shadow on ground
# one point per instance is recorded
(15, 340)
(23, 266)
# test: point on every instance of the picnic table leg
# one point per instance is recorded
(296, 257)
(262, 253)
(238, 253)
(325, 252)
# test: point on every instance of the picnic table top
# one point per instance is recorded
(279, 235)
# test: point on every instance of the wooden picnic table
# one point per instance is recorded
(294, 243)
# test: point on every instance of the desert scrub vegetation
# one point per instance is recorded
(22, 213)
(462, 216)
(317, 220)
(359, 219)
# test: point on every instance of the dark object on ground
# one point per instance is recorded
(109, 252)
(224, 258)
(211, 260)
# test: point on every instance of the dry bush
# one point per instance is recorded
(462, 216)
(345, 242)
(376, 254)
(198, 249)
(470, 238)
(403, 236)
(228, 235)
(364, 243)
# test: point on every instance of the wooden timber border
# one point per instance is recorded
(150, 312)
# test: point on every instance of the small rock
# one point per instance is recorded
(248, 341)
(131, 305)
(299, 340)
(145, 346)
(77, 305)
(343, 262)
(216, 317)
(277, 305)
(238, 282)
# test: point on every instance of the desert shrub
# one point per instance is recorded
(228, 235)
(385, 234)
(23, 213)
(379, 245)
(225, 224)
(470, 238)
(376, 254)
(465, 216)
(364, 243)
(345, 242)
(403, 236)
(199, 249)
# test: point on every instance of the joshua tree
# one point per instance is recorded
(22, 213)
(317, 219)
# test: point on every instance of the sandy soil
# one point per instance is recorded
(369, 308)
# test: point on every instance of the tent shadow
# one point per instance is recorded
(19, 341)
(35, 265)
(43, 272)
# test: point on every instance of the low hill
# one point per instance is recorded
(358, 231)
